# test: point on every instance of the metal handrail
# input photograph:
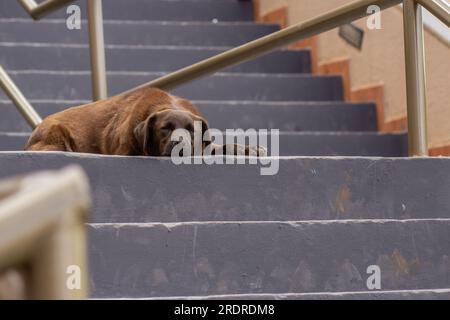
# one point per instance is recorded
(37, 11)
(96, 37)
(437, 10)
(16, 96)
(42, 225)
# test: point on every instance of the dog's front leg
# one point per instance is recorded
(238, 150)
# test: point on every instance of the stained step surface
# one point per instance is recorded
(292, 143)
(231, 258)
(76, 85)
(143, 189)
(40, 56)
(163, 10)
(426, 294)
(132, 32)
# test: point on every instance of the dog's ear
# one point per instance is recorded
(205, 128)
(143, 133)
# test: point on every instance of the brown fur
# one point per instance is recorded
(106, 126)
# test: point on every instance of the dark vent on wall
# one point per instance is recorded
(352, 35)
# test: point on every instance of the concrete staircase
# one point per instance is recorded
(161, 230)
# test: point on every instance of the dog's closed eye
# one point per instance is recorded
(167, 129)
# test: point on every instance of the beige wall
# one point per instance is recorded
(382, 60)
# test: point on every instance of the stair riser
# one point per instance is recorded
(237, 258)
(293, 117)
(183, 10)
(135, 59)
(262, 87)
(136, 33)
(297, 144)
(143, 189)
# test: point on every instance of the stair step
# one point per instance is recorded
(290, 116)
(162, 10)
(426, 294)
(285, 116)
(299, 143)
(188, 259)
(129, 32)
(144, 189)
(76, 85)
(39, 56)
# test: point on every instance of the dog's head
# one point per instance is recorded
(154, 133)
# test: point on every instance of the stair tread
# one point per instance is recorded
(41, 56)
(197, 10)
(317, 188)
(428, 294)
(132, 32)
(301, 143)
(233, 258)
(221, 86)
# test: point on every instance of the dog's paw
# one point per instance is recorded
(239, 150)
(256, 151)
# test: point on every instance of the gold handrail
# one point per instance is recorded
(37, 11)
(42, 226)
(96, 38)
(16, 96)
(437, 10)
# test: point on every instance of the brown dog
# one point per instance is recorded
(138, 122)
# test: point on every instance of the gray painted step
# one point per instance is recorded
(290, 116)
(133, 260)
(298, 143)
(120, 32)
(13, 141)
(40, 56)
(343, 144)
(285, 116)
(431, 294)
(163, 10)
(76, 85)
(141, 189)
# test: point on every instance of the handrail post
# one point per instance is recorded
(43, 227)
(415, 78)
(62, 248)
(97, 50)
